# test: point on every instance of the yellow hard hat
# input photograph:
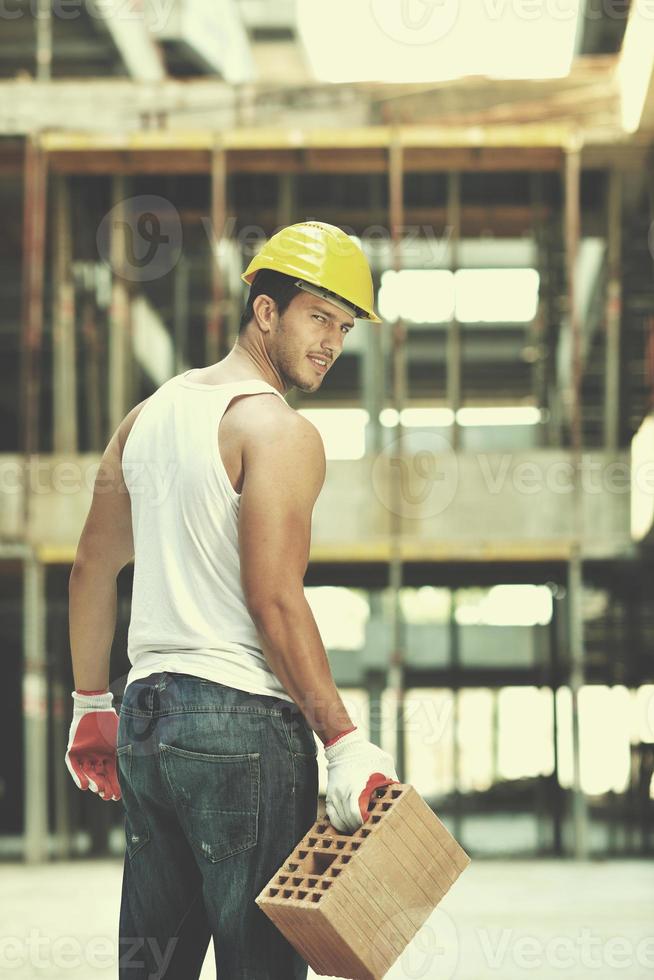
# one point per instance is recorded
(323, 256)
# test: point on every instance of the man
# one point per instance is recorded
(210, 486)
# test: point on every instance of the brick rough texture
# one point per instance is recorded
(351, 903)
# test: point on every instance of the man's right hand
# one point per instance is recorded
(355, 768)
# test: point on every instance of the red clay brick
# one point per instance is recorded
(350, 904)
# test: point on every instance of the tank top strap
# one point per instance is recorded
(229, 389)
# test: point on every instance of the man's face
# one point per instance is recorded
(310, 328)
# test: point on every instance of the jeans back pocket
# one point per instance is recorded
(216, 798)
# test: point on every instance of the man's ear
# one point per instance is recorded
(265, 310)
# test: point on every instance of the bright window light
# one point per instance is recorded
(475, 295)
(343, 430)
(341, 615)
(606, 720)
(475, 734)
(643, 724)
(505, 605)
(635, 66)
(427, 604)
(525, 732)
(642, 463)
(499, 415)
(426, 417)
(389, 417)
(419, 295)
(496, 295)
(428, 733)
(382, 40)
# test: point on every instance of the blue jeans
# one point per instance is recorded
(218, 786)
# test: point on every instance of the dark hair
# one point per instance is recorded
(277, 285)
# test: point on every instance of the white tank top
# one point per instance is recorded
(188, 609)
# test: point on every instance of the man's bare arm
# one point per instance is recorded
(105, 546)
(284, 470)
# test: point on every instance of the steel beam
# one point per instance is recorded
(63, 324)
(119, 313)
(575, 570)
(215, 340)
(453, 380)
(613, 313)
(34, 222)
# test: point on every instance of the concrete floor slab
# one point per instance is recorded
(506, 920)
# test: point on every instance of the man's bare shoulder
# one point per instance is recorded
(265, 415)
(277, 427)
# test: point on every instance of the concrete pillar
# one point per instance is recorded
(576, 647)
(35, 735)
(455, 664)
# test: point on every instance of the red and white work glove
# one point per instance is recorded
(91, 754)
(355, 768)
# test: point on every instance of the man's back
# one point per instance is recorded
(189, 610)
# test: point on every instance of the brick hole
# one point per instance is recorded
(386, 806)
(298, 880)
(376, 818)
(364, 832)
(321, 828)
(325, 842)
(302, 894)
(313, 841)
(355, 845)
(301, 855)
(287, 893)
(335, 872)
(273, 891)
(340, 844)
(292, 867)
(395, 793)
(318, 862)
(312, 882)
(282, 879)
(326, 884)
(315, 897)
(345, 858)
